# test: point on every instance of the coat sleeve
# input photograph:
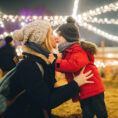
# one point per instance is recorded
(32, 81)
(75, 63)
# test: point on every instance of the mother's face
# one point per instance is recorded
(60, 39)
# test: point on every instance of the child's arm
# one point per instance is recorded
(75, 63)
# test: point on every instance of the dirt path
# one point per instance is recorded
(73, 110)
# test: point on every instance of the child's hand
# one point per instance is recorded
(59, 55)
(51, 58)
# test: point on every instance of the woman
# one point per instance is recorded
(38, 41)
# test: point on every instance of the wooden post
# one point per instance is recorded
(102, 45)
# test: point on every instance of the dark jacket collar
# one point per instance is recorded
(34, 58)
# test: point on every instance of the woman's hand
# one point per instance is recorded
(59, 55)
(82, 78)
(51, 58)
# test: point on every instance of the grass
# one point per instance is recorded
(73, 110)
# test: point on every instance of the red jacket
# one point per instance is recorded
(73, 60)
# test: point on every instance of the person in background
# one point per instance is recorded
(8, 55)
(76, 55)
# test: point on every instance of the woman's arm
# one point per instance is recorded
(31, 79)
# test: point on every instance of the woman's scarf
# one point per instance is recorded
(38, 48)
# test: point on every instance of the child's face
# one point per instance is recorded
(60, 39)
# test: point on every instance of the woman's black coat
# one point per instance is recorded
(40, 92)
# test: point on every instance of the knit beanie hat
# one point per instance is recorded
(33, 32)
(69, 30)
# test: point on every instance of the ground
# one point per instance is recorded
(73, 110)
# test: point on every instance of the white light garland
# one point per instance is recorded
(5, 34)
(1, 24)
(19, 50)
(75, 8)
(31, 18)
(109, 63)
(99, 32)
(100, 64)
(97, 11)
(22, 24)
(82, 19)
(102, 21)
(54, 20)
(100, 10)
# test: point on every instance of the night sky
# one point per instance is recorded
(64, 7)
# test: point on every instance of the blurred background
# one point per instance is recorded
(97, 21)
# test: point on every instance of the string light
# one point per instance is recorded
(1, 24)
(102, 21)
(31, 18)
(5, 34)
(82, 19)
(19, 50)
(100, 64)
(100, 10)
(97, 11)
(99, 32)
(108, 63)
(22, 24)
(87, 26)
(75, 8)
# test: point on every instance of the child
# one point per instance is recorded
(75, 56)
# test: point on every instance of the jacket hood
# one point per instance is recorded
(89, 47)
